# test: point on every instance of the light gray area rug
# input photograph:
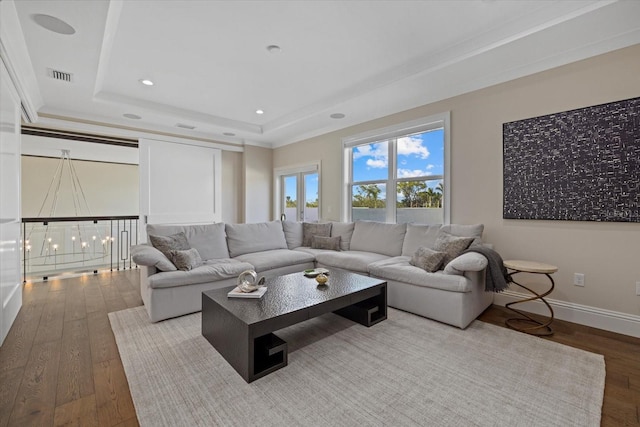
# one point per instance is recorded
(405, 371)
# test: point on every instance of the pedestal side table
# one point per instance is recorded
(526, 323)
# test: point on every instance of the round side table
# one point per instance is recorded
(526, 323)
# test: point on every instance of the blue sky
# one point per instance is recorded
(418, 155)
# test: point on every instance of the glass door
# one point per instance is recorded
(300, 197)
(311, 211)
(290, 194)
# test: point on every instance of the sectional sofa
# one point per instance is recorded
(454, 295)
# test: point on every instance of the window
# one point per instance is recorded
(298, 193)
(398, 174)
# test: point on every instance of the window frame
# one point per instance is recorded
(391, 134)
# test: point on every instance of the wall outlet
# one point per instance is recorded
(638, 288)
(578, 279)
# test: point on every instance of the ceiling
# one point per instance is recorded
(365, 59)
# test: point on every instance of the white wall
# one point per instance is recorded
(232, 187)
(258, 183)
(607, 253)
(110, 188)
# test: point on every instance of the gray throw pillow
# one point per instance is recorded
(427, 259)
(151, 257)
(166, 244)
(187, 259)
(451, 245)
(313, 229)
(330, 243)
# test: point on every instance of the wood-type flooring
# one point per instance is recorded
(59, 365)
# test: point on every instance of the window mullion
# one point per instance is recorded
(391, 181)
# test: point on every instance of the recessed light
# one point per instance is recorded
(259, 111)
(146, 82)
(132, 116)
(229, 134)
(54, 24)
(273, 48)
(337, 116)
(184, 126)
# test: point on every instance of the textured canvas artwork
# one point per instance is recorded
(579, 165)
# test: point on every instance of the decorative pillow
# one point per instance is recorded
(187, 259)
(452, 246)
(331, 243)
(166, 244)
(292, 233)
(427, 259)
(345, 231)
(314, 229)
(149, 256)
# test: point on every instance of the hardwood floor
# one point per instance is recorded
(60, 365)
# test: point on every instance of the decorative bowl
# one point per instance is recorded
(322, 278)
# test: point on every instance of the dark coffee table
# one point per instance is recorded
(241, 330)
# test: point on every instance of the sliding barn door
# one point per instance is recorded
(179, 183)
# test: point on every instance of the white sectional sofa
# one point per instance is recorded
(455, 295)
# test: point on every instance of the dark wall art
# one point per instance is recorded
(579, 165)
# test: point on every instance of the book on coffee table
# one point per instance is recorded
(237, 293)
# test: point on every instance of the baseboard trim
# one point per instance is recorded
(614, 321)
(10, 311)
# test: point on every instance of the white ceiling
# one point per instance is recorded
(365, 59)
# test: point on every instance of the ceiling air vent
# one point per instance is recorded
(183, 126)
(59, 75)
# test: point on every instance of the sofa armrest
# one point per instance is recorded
(470, 261)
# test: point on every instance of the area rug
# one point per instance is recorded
(404, 371)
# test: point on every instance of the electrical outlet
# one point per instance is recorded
(638, 288)
(578, 279)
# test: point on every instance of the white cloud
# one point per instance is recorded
(378, 150)
(377, 163)
(409, 173)
(429, 167)
(378, 153)
(412, 145)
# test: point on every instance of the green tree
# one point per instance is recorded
(410, 191)
(367, 197)
(290, 203)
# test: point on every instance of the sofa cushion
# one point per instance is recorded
(268, 260)
(329, 243)
(427, 259)
(149, 256)
(451, 245)
(311, 251)
(186, 260)
(168, 244)
(461, 230)
(210, 271)
(292, 233)
(356, 261)
(398, 269)
(208, 239)
(378, 237)
(470, 261)
(314, 229)
(248, 238)
(419, 235)
(345, 231)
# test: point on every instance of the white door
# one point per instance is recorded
(180, 183)
(10, 276)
